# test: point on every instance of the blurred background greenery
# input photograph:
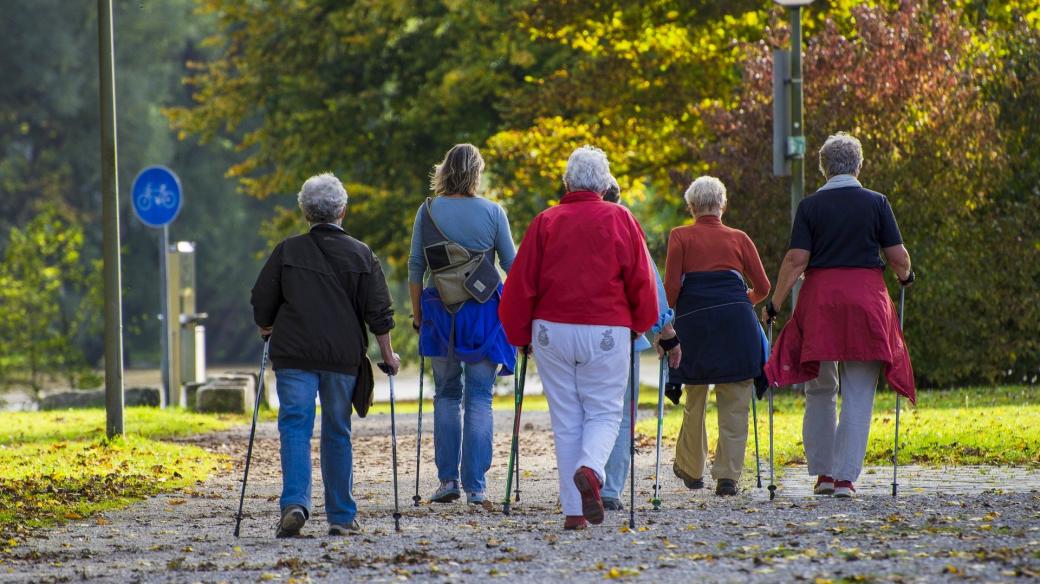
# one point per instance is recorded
(244, 100)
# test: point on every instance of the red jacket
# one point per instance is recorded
(843, 314)
(584, 261)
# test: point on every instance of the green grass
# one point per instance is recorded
(58, 466)
(968, 426)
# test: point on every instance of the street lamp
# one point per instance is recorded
(790, 148)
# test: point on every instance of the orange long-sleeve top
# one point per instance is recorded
(707, 246)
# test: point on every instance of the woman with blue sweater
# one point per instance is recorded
(464, 341)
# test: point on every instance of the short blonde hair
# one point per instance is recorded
(706, 195)
(459, 172)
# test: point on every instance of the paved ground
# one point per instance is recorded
(972, 524)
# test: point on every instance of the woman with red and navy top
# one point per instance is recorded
(581, 286)
(844, 315)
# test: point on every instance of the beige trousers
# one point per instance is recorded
(691, 453)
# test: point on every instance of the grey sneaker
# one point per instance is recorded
(293, 518)
(476, 498)
(352, 528)
(611, 504)
(448, 491)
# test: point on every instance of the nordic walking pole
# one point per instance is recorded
(252, 431)
(758, 458)
(518, 392)
(895, 449)
(772, 484)
(632, 381)
(418, 444)
(519, 410)
(393, 444)
(660, 426)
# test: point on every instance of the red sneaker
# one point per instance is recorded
(843, 489)
(574, 522)
(824, 485)
(588, 485)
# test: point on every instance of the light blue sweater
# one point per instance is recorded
(472, 222)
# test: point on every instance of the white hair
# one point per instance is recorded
(587, 170)
(322, 198)
(841, 154)
(707, 196)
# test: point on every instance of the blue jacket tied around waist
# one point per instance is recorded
(722, 341)
(478, 334)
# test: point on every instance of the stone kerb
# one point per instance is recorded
(227, 393)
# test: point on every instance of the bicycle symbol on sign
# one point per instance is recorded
(160, 198)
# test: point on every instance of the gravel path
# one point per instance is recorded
(942, 527)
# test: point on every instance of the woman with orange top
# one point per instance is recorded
(707, 276)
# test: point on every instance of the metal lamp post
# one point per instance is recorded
(794, 145)
(110, 220)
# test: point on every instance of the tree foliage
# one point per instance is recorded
(51, 299)
(942, 95)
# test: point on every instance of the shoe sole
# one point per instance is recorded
(839, 494)
(591, 505)
(291, 525)
(824, 491)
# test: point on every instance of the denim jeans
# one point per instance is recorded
(296, 392)
(459, 439)
(620, 457)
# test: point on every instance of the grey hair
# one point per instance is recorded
(322, 198)
(613, 192)
(459, 172)
(706, 196)
(841, 154)
(587, 170)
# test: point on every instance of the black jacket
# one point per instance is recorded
(317, 324)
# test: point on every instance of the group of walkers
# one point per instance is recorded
(583, 296)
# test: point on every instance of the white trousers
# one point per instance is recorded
(584, 371)
(836, 447)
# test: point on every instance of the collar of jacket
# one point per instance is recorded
(841, 181)
(327, 227)
(580, 197)
(712, 220)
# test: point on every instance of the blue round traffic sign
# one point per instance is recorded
(156, 196)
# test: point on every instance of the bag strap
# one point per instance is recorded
(343, 285)
(433, 228)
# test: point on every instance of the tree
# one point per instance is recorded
(51, 299)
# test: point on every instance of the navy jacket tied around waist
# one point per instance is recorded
(722, 341)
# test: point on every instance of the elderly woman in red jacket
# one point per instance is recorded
(845, 329)
(582, 286)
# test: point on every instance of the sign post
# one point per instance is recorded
(157, 199)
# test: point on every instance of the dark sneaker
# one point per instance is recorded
(293, 518)
(352, 528)
(726, 487)
(575, 522)
(611, 504)
(588, 485)
(824, 485)
(448, 491)
(843, 489)
(691, 483)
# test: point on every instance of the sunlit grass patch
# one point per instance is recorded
(984, 426)
(58, 466)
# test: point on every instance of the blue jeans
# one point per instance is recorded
(620, 457)
(296, 392)
(457, 439)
